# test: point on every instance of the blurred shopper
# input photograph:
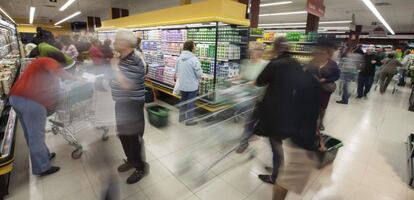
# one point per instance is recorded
(188, 73)
(349, 64)
(327, 71)
(139, 45)
(129, 96)
(44, 49)
(275, 111)
(249, 71)
(107, 51)
(95, 52)
(359, 50)
(68, 47)
(33, 97)
(388, 70)
(367, 73)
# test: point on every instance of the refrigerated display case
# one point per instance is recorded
(9, 70)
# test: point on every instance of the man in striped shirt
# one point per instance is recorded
(129, 96)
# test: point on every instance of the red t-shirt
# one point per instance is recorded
(96, 55)
(40, 82)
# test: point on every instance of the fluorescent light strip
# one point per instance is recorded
(374, 10)
(67, 18)
(31, 14)
(283, 13)
(66, 5)
(304, 23)
(7, 15)
(275, 3)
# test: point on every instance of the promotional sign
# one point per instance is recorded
(316, 7)
(378, 32)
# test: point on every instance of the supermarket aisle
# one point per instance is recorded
(370, 166)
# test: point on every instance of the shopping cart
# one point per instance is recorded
(395, 79)
(75, 112)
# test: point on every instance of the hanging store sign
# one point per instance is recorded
(378, 32)
(316, 7)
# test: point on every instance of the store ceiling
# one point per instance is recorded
(400, 14)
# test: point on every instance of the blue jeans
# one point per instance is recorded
(364, 85)
(346, 79)
(278, 157)
(32, 117)
(187, 110)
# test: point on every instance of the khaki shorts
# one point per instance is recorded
(298, 167)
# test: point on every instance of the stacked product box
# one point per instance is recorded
(152, 35)
(152, 71)
(228, 52)
(151, 45)
(173, 48)
(206, 85)
(154, 57)
(174, 35)
(205, 50)
(207, 66)
(159, 74)
(202, 34)
(228, 70)
(228, 34)
(170, 61)
(168, 76)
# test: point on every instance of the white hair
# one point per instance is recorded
(126, 35)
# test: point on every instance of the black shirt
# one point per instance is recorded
(369, 69)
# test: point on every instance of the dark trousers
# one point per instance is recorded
(187, 110)
(278, 157)
(385, 79)
(130, 124)
(364, 85)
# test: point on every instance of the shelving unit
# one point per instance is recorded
(10, 63)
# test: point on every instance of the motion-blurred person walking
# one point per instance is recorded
(388, 70)
(327, 71)
(367, 73)
(275, 112)
(129, 96)
(69, 48)
(249, 71)
(188, 73)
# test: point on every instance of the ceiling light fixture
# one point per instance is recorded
(7, 15)
(283, 13)
(304, 23)
(276, 3)
(31, 14)
(374, 10)
(67, 18)
(66, 5)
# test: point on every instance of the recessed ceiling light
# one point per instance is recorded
(283, 13)
(275, 3)
(374, 10)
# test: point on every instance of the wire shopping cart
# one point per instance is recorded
(75, 112)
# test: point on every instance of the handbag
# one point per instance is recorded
(176, 91)
(329, 87)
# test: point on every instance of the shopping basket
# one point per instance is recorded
(157, 115)
(328, 155)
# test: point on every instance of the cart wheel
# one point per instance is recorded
(77, 153)
(55, 130)
(105, 135)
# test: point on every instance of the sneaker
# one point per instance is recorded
(51, 170)
(136, 176)
(126, 166)
(341, 102)
(242, 148)
(52, 156)
(266, 179)
(359, 97)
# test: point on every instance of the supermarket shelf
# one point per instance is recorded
(224, 60)
(161, 83)
(259, 36)
(171, 54)
(300, 52)
(297, 42)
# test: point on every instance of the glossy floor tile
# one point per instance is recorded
(371, 165)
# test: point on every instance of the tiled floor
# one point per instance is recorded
(371, 165)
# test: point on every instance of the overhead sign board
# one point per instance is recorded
(316, 7)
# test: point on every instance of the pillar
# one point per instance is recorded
(252, 11)
(312, 23)
(354, 36)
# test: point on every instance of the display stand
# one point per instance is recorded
(221, 37)
(410, 160)
(9, 71)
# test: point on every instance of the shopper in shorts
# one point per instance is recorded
(129, 95)
(34, 96)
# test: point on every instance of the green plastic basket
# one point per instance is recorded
(158, 115)
(332, 146)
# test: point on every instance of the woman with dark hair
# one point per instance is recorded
(95, 52)
(327, 71)
(188, 72)
(33, 96)
(68, 47)
(107, 51)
